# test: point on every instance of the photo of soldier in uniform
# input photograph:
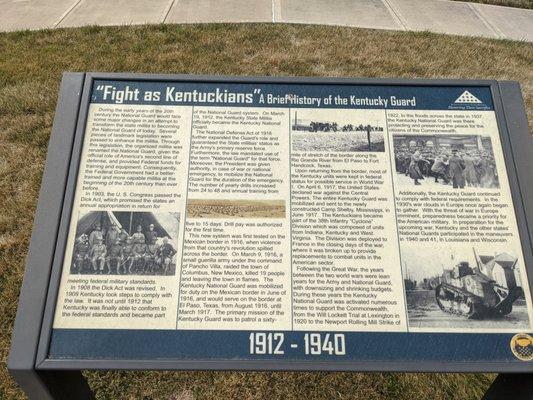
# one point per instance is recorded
(336, 131)
(125, 243)
(463, 288)
(454, 161)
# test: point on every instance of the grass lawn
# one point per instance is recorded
(30, 69)
(506, 3)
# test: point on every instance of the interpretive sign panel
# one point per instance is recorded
(293, 224)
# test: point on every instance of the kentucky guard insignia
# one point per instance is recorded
(522, 346)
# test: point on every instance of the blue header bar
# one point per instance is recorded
(398, 97)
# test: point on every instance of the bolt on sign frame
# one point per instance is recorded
(45, 376)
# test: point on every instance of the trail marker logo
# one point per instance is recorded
(467, 101)
(522, 346)
(468, 98)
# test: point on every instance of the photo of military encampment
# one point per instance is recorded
(235, 208)
(464, 288)
(125, 243)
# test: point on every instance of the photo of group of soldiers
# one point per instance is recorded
(112, 250)
(455, 167)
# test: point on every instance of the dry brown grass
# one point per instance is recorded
(30, 69)
(506, 3)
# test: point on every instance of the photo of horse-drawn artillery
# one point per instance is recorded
(337, 130)
(469, 290)
(317, 126)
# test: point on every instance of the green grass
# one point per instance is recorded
(507, 3)
(30, 70)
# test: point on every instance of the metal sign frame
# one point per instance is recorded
(43, 378)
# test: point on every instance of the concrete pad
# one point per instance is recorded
(191, 11)
(511, 23)
(441, 16)
(32, 14)
(361, 13)
(116, 12)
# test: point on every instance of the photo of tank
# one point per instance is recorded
(469, 291)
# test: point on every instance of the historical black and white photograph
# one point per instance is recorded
(125, 243)
(463, 288)
(440, 161)
(333, 131)
(235, 208)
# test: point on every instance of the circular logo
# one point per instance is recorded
(522, 346)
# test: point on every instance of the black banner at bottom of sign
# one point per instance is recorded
(115, 344)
